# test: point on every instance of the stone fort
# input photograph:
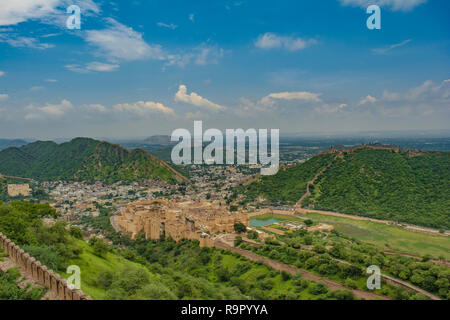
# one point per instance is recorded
(193, 220)
(15, 190)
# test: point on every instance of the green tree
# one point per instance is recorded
(99, 246)
(240, 227)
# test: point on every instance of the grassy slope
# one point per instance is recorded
(91, 266)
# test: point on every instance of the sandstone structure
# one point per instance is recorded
(15, 190)
(40, 273)
(193, 220)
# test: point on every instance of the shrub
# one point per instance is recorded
(343, 295)
(105, 279)
(285, 276)
(318, 288)
(240, 227)
(252, 234)
(99, 246)
(76, 232)
(309, 222)
(350, 283)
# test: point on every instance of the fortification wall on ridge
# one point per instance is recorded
(40, 273)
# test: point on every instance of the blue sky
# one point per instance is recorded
(138, 68)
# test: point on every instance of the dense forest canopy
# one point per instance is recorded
(83, 159)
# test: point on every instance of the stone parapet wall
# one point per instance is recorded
(47, 278)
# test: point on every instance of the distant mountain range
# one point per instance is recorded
(162, 140)
(6, 143)
(84, 159)
(405, 186)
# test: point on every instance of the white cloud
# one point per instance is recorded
(101, 67)
(14, 12)
(49, 35)
(191, 17)
(3, 97)
(2, 73)
(330, 108)
(24, 42)
(196, 100)
(389, 48)
(298, 95)
(121, 42)
(270, 40)
(368, 99)
(51, 80)
(92, 66)
(270, 103)
(426, 99)
(76, 68)
(208, 55)
(48, 111)
(394, 5)
(426, 92)
(165, 25)
(201, 55)
(48, 11)
(36, 88)
(99, 108)
(143, 108)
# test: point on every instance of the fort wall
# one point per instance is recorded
(40, 273)
(15, 190)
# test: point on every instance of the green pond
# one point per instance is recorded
(262, 223)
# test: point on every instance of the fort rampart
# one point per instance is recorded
(40, 273)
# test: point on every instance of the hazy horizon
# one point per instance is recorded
(407, 134)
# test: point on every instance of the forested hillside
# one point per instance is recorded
(289, 184)
(6, 143)
(83, 159)
(411, 187)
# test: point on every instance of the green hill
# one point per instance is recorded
(6, 143)
(83, 159)
(407, 186)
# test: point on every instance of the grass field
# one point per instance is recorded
(91, 266)
(381, 235)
